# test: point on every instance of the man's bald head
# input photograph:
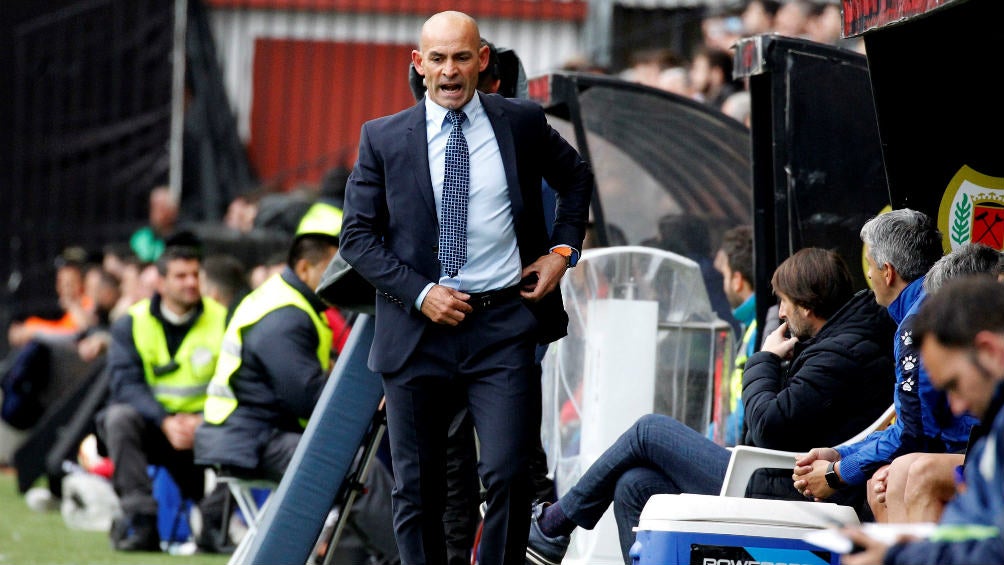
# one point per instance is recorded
(449, 57)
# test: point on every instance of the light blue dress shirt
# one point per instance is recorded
(492, 254)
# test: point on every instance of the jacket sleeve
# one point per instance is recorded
(786, 411)
(572, 179)
(365, 228)
(128, 382)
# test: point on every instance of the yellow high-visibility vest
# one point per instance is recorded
(273, 294)
(179, 382)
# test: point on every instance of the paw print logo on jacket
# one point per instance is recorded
(908, 384)
(906, 337)
(909, 362)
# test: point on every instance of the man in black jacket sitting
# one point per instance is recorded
(839, 379)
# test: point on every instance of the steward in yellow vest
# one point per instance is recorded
(161, 358)
(274, 363)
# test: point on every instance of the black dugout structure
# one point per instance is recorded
(654, 154)
(932, 64)
(816, 157)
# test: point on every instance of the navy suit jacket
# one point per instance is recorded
(390, 230)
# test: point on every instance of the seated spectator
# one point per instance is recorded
(104, 290)
(961, 334)
(274, 364)
(225, 280)
(148, 241)
(161, 358)
(711, 76)
(734, 261)
(837, 382)
(73, 314)
(915, 487)
(900, 247)
(758, 16)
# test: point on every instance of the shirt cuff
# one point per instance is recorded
(421, 296)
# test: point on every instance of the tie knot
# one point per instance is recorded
(456, 117)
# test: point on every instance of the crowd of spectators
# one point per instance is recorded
(705, 74)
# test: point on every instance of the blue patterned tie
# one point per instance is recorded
(456, 188)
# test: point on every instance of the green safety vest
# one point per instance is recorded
(273, 294)
(182, 389)
(736, 382)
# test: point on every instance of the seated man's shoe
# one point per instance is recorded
(135, 533)
(541, 549)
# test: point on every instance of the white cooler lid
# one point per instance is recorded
(664, 508)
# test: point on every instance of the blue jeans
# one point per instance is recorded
(657, 455)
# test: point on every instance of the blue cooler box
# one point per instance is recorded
(696, 529)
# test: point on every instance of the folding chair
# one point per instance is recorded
(242, 489)
(745, 460)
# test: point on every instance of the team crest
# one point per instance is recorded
(972, 210)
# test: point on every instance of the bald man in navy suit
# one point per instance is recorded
(467, 335)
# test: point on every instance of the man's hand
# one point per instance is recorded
(778, 344)
(809, 474)
(180, 430)
(880, 483)
(548, 270)
(872, 551)
(443, 305)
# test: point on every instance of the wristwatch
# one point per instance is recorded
(832, 478)
(571, 257)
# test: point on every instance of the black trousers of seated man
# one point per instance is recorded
(133, 443)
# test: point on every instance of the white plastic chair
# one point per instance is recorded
(747, 459)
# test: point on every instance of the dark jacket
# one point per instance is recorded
(390, 227)
(971, 529)
(838, 383)
(278, 382)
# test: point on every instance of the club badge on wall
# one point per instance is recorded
(972, 210)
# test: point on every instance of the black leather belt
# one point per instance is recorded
(485, 300)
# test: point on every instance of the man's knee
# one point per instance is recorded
(933, 473)
(118, 419)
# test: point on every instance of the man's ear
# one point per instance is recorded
(736, 282)
(990, 349)
(889, 274)
(482, 58)
(416, 60)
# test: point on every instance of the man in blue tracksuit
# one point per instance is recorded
(900, 247)
(961, 330)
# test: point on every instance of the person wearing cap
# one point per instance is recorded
(277, 352)
(274, 362)
(162, 355)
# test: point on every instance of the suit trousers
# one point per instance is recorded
(490, 356)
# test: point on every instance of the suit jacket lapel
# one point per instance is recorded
(507, 149)
(418, 144)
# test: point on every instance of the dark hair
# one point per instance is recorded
(175, 252)
(814, 278)
(227, 272)
(737, 245)
(962, 308)
(312, 247)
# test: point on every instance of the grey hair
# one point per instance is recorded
(906, 239)
(969, 259)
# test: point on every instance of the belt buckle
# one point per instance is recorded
(486, 301)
